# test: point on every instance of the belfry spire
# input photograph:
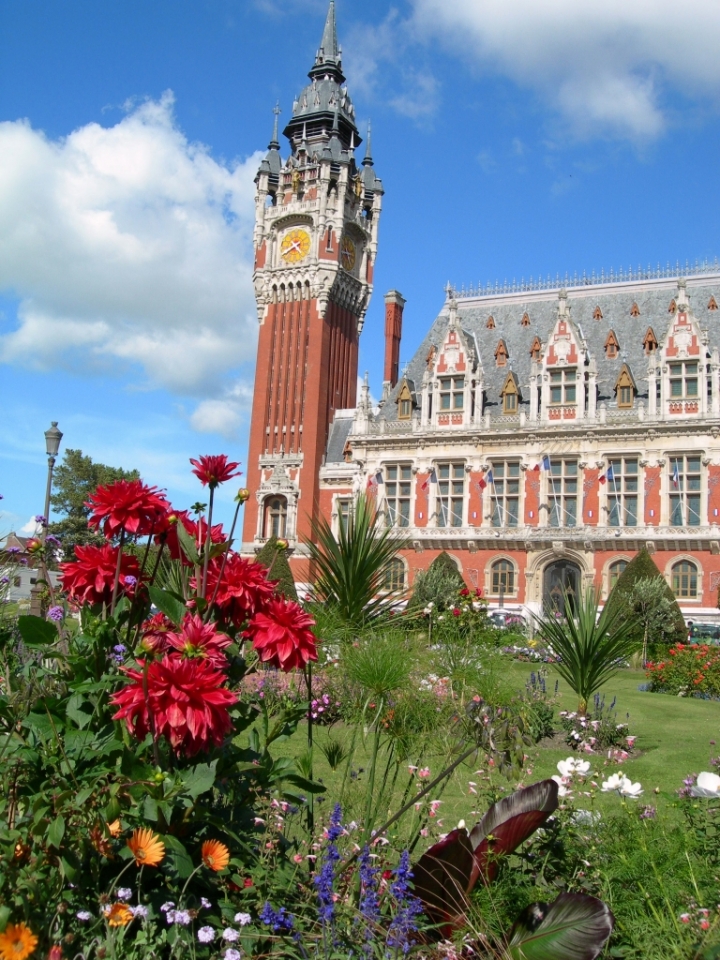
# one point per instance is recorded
(329, 45)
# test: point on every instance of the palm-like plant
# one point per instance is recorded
(351, 568)
(589, 646)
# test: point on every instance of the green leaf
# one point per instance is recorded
(83, 796)
(574, 927)
(169, 604)
(4, 917)
(187, 543)
(309, 786)
(151, 809)
(74, 712)
(56, 831)
(37, 632)
(178, 856)
(199, 779)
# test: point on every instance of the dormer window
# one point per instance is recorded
(611, 346)
(712, 304)
(525, 322)
(510, 394)
(501, 354)
(563, 387)
(536, 350)
(625, 389)
(490, 323)
(634, 310)
(650, 342)
(452, 393)
(404, 402)
(347, 452)
(684, 380)
(672, 307)
(597, 313)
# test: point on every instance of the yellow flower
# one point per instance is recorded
(118, 914)
(147, 849)
(17, 942)
(215, 855)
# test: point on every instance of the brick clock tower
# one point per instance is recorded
(316, 228)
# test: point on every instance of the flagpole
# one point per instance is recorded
(617, 502)
(501, 511)
(554, 491)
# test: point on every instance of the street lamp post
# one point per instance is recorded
(53, 436)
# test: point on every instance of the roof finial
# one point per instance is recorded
(329, 45)
(368, 160)
(275, 143)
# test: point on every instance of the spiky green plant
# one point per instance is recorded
(350, 568)
(589, 646)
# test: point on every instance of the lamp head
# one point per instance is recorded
(52, 439)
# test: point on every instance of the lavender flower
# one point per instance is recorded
(130, 581)
(13, 550)
(206, 934)
(279, 920)
(139, 911)
(4, 579)
(369, 901)
(179, 916)
(231, 954)
(408, 907)
(242, 918)
(204, 902)
(167, 906)
(124, 893)
(648, 813)
(325, 879)
(84, 915)
(53, 541)
(230, 935)
(39, 518)
(56, 614)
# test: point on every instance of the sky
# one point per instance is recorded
(513, 138)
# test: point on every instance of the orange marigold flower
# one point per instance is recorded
(17, 942)
(114, 828)
(118, 914)
(147, 848)
(215, 855)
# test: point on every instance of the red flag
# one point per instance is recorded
(536, 467)
(482, 483)
(603, 478)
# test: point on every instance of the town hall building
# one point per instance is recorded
(542, 433)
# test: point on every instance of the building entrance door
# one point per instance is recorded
(561, 579)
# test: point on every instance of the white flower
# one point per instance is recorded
(84, 915)
(242, 918)
(629, 789)
(230, 935)
(571, 766)
(623, 785)
(586, 817)
(124, 893)
(708, 785)
(562, 789)
(613, 782)
(206, 934)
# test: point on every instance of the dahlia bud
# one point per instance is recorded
(243, 495)
(33, 546)
(55, 952)
(172, 519)
(282, 544)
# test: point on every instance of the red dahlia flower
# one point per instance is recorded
(212, 471)
(186, 698)
(91, 577)
(127, 505)
(154, 633)
(202, 640)
(282, 635)
(244, 589)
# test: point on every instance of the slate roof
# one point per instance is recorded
(339, 432)
(616, 303)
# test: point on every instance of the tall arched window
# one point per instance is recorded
(614, 572)
(394, 575)
(502, 580)
(275, 517)
(685, 579)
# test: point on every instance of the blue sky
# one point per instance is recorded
(513, 139)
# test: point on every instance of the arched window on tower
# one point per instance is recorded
(275, 517)
(685, 580)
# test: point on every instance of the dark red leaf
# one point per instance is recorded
(442, 877)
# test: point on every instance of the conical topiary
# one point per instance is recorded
(274, 557)
(643, 567)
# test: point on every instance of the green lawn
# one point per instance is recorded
(673, 739)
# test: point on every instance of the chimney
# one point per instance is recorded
(394, 304)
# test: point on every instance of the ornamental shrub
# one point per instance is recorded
(643, 567)
(688, 670)
(439, 584)
(273, 556)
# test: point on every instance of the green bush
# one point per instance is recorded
(274, 557)
(439, 584)
(643, 567)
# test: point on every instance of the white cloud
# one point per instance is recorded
(31, 529)
(225, 415)
(605, 65)
(128, 247)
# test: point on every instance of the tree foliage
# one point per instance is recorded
(74, 480)
(622, 601)
(274, 558)
(438, 584)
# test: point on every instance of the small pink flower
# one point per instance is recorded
(424, 774)
(685, 917)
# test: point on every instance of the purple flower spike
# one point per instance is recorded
(56, 614)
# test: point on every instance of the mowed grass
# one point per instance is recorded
(674, 737)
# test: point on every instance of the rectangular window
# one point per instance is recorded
(625, 398)
(505, 494)
(450, 494)
(405, 409)
(684, 484)
(563, 493)
(563, 385)
(684, 380)
(344, 511)
(622, 492)
(398, 485)
(452, 393)
(510, 401)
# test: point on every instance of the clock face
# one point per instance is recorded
(295, 246)
(347, 253)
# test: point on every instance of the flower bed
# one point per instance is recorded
(691, 670)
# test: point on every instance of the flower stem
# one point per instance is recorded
(371, 776)
(222, 566)
(116, 584)
(208, 542)
(311, 803)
